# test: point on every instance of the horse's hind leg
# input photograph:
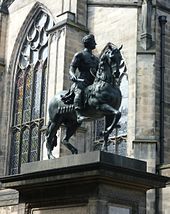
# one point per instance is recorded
(111, 123)
(70, 130)
(108, 121)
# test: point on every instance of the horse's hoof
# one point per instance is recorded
(104, 147)
(75, 152)
(80, 119)
(103, 133)
(118, 126)
(51, 156)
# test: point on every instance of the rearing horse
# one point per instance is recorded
(102, 98)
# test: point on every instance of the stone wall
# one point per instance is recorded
(145, 96)
(8, 201)
(119, 26)
(3, 25)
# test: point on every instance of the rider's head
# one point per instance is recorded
(89, 41)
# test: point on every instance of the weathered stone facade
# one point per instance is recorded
(135, 24)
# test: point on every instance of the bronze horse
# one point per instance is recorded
(102, 98)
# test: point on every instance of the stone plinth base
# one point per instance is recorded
(94, 183)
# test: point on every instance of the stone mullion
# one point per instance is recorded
(32, 91)
(41, 121)
(39, 139)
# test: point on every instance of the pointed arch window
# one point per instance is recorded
(29, 98)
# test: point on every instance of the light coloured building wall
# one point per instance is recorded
(73, 45)
(3, 25)
(145, 97)
(119, 26)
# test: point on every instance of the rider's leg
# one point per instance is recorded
(78, 105)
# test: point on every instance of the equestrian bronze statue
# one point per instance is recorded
(94, 94)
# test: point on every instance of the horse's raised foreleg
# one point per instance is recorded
(114, 123)
(112, 118)
(70, 130)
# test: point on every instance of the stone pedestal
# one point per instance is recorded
(95, 183)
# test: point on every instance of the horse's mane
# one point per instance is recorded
(111, 46)
(108, 46)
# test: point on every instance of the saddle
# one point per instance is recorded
(68, 98)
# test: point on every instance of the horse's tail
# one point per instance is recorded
(47, 130)
(53, 142)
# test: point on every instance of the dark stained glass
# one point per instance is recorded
(19, 98)
(15, 152)
(27, 95)
(25, 145)
(34, 144)
(43, 89)
(37, 91)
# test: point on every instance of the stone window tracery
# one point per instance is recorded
(29, 98)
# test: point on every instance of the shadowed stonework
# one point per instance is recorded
(94, 183)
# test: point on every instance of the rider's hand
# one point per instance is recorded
(73, 78)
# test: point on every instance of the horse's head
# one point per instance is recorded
(115, 58)
(110, 60)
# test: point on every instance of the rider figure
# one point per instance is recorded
(87, 65)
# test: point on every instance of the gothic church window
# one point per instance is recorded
(29, 98)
